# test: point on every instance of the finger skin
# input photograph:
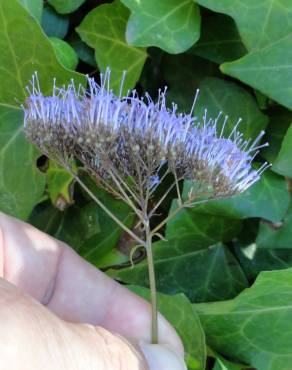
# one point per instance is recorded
(33, 338)
(56, 276)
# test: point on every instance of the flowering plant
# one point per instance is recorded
(218, 233)
(129, 145)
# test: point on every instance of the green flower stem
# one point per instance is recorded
(148, 246)
(152, 283)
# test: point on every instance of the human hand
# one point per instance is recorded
(59, 312)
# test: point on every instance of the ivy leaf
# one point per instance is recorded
(276, 236)
(84, 52)
(110, 233)
(54, 24)
(258, 24)
(184, 83)
(215, 95)
(35, 7)
(259, 68)
(21, 183)
(66, 6)
(172, 25)
(73, 226)
(66, 55)
(232, 100)
(203, 228)
(267, 66)
(280, 120)
(178, 310)
(26, 49)
(253, 259)
(268, 198)
(220, 40)
(283, 163)
(233, 327)
(209, 274)
(104, 30)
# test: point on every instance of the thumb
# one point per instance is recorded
(33, 338)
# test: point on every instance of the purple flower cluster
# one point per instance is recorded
(127, 139)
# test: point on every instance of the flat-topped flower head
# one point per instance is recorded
(128, 140)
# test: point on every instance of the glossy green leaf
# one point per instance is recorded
(25, 49)
(276, 235)
(255, 327)
(60, 185)
(220, 41)
(21, 183)
(178, 310)
(110, 233)
(267, 66)
(65, 53)
(253, 259)
(257, 22)
(84, 52)
(172, 25)
(283, 163)
(269, 70)
(232, 100)
(66, 6)
(203, 229)
(215, 95)
(262, 99)
(280, 120)
(104, 30)
(74, 226)
(203, 275)
(35, 7)
(54, 24)
(268, 198)
(182, 84)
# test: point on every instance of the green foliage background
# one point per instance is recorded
(239, 53)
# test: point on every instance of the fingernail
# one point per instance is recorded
(162, 357)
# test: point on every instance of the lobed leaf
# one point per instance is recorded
(267, 65)
(220, 41)
(172, 25)
(203, 275)
(26, 49)
(103, 29)
(254, 327)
